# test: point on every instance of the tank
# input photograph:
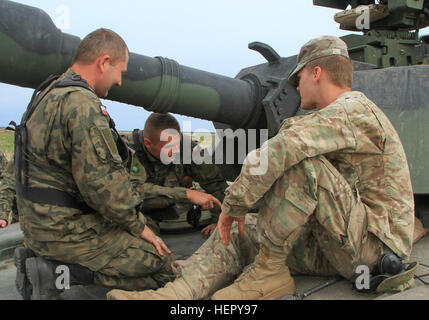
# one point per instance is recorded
(391, 67)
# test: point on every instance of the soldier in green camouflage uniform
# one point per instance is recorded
(337, 195)
(3, 163)
(8, 210)
(165, 186)
(73, 149)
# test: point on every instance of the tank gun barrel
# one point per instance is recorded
(32, 48)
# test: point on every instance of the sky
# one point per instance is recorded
(207, 35)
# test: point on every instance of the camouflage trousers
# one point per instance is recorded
(311, 214)
(139, 267)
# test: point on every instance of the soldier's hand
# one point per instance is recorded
(3, 224)
(224, 227)
(208, 231)
(204, 200)
(156, 241)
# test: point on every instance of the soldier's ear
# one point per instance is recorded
(147, 143)
(103, 62)
(317, 73)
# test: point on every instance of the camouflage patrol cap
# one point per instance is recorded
(399, 282)
(317, 48)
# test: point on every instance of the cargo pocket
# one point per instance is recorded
(104, 145)
(301, 200)
(288, 215)
(357, 228)
(337, 200)
(85, 227)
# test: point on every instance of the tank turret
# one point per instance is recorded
(390, 30)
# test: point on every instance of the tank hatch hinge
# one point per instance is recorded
(266, 51)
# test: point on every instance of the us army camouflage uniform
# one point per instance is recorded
(337, 195)
(8, 209)
(163, 187)
(73, 149)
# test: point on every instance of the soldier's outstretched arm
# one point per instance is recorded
(151, 193)
(159, 197)
(210, 179)
(204, 200)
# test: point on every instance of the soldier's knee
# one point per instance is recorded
(165, 273)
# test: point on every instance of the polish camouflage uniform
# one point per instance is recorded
(163, 187)
(72, 148)
(337, 195)
(3, 165)
(8, 209)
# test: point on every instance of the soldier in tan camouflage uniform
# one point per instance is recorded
(8, 210)
(337, 195)
(76, 203)
(166, 187)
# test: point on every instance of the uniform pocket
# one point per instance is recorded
(357, 228)
(301, 200)
(283, 213)
(84, 223)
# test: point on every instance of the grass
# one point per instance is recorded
(205, 140)
(6, 142)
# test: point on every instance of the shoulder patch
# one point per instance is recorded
(104, 144)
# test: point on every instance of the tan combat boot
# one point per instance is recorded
(267, 278)
(176, 290)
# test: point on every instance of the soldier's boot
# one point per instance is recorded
(176, 290)
(268, 278)
(21, 282)
(42, 278)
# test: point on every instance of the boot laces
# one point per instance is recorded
(249, 272)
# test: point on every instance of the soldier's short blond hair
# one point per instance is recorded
(100, 42)
(338, 68)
